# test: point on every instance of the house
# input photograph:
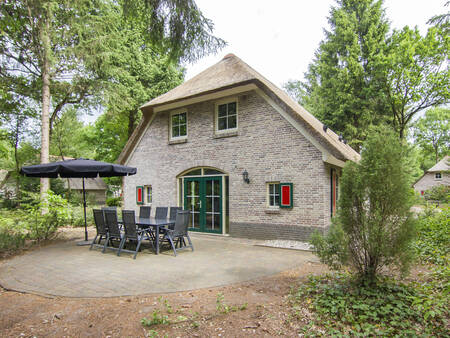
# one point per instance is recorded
(95, 188)
(238, 152)
(436, 175)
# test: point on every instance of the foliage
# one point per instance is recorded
(433, 240)
(224, 308)
(44, 226)
(432, 132)
(342, 306)
(373, 228)
(343, 84)
(417, 73)
(156, 319)
(177, 28)
(439, 193)
(12, 230)
(114, 201)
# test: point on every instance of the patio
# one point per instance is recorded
(65, 269)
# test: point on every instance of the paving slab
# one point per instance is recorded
(65, 269)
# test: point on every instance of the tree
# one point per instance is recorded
(176, 28)
(417, 73)
(432, 132)
(47, 47)
(374, 227)
(343, 86)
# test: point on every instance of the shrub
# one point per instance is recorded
(433, 240)
(43, 226)
(114, 202)
(374, 227)
(440, 193)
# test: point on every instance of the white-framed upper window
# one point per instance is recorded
(273, 194)
(438, 176)
(227, 116)
(178, 125)
(148, 194)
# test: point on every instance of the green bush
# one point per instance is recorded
(114, 202)
(12, 230)
(440, 193)
(43, 226)
(77, 217)
(433, 237)
(374, 228)
(342, 306)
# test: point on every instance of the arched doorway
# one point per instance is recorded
(204, 192)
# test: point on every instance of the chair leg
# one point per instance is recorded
(93, 242)
(121, 245)
(106, 243)
(137, 247)
(190, 242)
(172, 244)
(150, 239)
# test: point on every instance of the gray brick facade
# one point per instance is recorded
(266, 145)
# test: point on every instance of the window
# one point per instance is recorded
(226, 119)
(438, 176)
(273, 190)
(178, 125)
(148, 194)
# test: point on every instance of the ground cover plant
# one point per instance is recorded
(340, 304)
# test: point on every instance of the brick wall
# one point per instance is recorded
(267, 146)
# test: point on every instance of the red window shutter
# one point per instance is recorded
(139, 195)
(286, 195)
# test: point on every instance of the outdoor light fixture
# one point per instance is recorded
(245, 176)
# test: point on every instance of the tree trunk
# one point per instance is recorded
(45, 136)
(16, 159)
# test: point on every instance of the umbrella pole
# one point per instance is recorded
(84, 205)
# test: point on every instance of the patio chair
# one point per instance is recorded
(144, 212)
(113, 228)
(100, 225)
(132, 233)
(179, 232)
(173, 215)
(161, 212)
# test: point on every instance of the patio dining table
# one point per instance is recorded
(156, 224)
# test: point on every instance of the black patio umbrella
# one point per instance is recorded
(78, 168)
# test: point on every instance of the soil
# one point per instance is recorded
(255, 308)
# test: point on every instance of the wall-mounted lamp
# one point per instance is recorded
(245, 177)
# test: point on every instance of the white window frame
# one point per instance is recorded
(436, 176)
(178, 112)
(268, 194)
(146, 202)
(216, 115)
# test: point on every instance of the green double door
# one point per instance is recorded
(203, 198)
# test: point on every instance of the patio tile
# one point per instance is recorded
(65, 269)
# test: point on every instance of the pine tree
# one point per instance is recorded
(343, 87)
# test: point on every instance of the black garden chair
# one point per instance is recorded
(132, 233)
(112, 225)
(144, 212)
(100, 225)
(173, 215)
(176, 236)
(161, 212)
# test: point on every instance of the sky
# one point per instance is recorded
(279, 38)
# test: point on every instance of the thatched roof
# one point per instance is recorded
(89, 183)
(442, 165)
(233, 72)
